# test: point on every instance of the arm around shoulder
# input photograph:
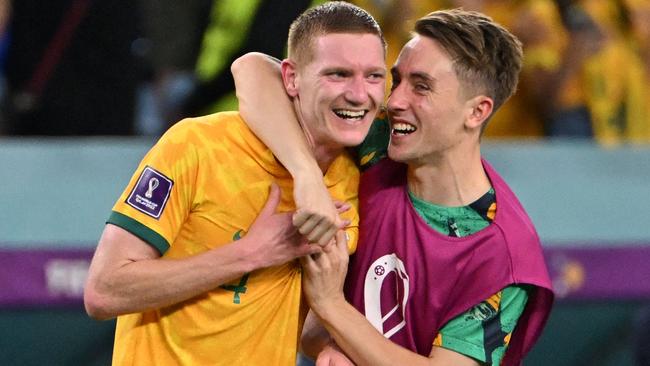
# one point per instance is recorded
(268, 111)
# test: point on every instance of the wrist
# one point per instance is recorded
(328, 307)
(306, 171)
(252, 257)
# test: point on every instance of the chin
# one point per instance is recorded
(395, 155)
(352, 138)
(351, 141)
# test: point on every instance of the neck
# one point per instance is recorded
(324, 152)
(452, 179)
(325, 156)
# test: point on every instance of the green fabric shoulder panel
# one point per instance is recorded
(375, 145)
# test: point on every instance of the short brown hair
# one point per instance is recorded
(330, 17)
(487, 58)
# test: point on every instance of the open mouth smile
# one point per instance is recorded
(402, 129)
(350, 114)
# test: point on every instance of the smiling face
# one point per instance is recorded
(427, 109)
(338, 93)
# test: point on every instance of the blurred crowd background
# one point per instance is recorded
(115, 67)
(86, 86)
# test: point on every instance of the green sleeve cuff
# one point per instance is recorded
(136, 228)
(464, 347)
(470, 335)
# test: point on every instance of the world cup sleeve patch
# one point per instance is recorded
(150, 193)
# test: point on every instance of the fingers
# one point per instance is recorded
(308, 261)
(342, 241)
(327, 236)
(302, 217)
(305, 221)
(331, 245)
(315, 229)
(324, 256)
(322, 234)
(342, 223)
(271, 202)
(318, 229)
(342, 207)
(307, 249)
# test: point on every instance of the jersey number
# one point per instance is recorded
(241, 287)
(238, 289)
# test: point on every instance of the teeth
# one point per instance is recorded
(343, 113)
(403, 128)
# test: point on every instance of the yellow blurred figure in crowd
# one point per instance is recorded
(585, 69)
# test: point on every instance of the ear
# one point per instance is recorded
(289, 77)
(480, 109)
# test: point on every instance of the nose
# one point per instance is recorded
(357, 92)
(396, 99)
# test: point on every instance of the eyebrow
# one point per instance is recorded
(334, 69)
(423, 76)
(348, 71)
(415, 75)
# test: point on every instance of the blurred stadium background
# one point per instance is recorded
(590, 206)
(107, 70)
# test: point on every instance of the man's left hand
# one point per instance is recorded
(324, 274)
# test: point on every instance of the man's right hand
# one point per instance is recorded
(276, 239)
(317, 216)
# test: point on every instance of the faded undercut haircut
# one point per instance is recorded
(486, 57)
(327, 18)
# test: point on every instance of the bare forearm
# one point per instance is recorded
(363, 343)
(269, 112)
(323, 278)
(267, 109)
(135, 286)
(314, 336)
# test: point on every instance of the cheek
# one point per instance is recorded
(424, 110)
(326, 92)
(378, 91)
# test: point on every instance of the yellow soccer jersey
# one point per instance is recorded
(201, 186)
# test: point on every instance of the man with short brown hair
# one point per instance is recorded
(198, 259)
